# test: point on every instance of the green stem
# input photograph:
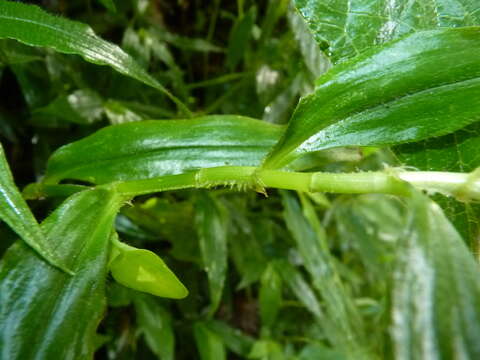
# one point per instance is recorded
(245, 177)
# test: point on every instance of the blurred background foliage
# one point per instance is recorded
(288, 276)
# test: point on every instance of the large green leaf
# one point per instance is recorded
(33, 26)
(346, 28)
(16, 213)
(436, 306)
(212, 227)
(45, 313)
(155, 148)
(391, 94)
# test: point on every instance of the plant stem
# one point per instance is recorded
(243, 177)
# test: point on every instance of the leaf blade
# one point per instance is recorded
(45, 313)
(389, 95)
(18, 216)
(212, 230)
(162, 147)
(437, 288)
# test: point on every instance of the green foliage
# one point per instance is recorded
(188, 181)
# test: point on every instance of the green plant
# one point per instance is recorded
(392, 115)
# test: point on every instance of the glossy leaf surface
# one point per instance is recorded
(155, 148)
(212, 226)
(45, 313)
(409, 90)
(33, 26)
(346, 28)
(143, 270)
(436, 298)
(16, 213)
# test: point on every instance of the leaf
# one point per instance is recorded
(109, 4)
(143, 270)
(345, 28)
(342, 321)
(239, 37)
(16, 213)
(456, 152)
(234, 339)
(302, 290)
(155, 148)
(436, 309)
(33, 26)
(81, 106)
(208, 343)
(392, 94)
(156, 324)
(212, 227)
(315, 60)
(270, 296)
(45, 313)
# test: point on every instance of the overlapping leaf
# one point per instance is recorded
(409, 90)
(155, 148)
(45, 313)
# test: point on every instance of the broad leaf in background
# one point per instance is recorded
(345, 28)
(33, 26)
(212, 227)
(16, 213)
(143, 270)
(342, 321)
(456, 152)
(392, 94)
(154, 148)
(436, 302)
(156, 324)
(209, 344)
(45, 313)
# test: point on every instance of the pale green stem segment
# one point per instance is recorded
(244, 177)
